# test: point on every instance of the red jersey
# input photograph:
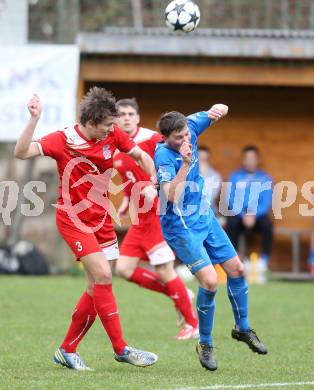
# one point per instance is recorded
(85, 168)
(132, 173)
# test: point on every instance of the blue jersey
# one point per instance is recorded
(250, 197)
(194, 201)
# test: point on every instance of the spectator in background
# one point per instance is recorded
(212, 178)
(251, 205)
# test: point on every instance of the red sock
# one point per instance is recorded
(83, 318)
(106, 307)
(179, 294)
(148, 279)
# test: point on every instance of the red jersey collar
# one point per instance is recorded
(137, 130)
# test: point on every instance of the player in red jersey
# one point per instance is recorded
(144, 240)
(84, 156)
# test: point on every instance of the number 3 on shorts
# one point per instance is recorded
(79, 246)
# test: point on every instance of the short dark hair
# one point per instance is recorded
(97, 105)
(203, 148)
(170, 122)
(250, 148)
(132, 102)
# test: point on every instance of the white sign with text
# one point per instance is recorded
(50, 71)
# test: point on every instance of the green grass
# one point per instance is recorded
(35, 313)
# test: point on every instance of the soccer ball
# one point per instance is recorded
(182, 15)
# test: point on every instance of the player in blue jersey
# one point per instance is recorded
(192, 231)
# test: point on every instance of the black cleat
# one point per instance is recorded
(206, 356)
(251, 339)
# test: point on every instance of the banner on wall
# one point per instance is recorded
(50, 71)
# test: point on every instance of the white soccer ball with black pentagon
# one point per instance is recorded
(182, 15)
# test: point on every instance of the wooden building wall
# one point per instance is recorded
(278, 119)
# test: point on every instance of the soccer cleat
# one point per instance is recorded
(206, 356)
(180, 318)
(70, 360)
(188, 332)
(251, 339)
(136, 357)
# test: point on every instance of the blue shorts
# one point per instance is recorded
(202, 244)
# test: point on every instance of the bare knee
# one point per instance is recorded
(103, 276)
(97, 269)
(166, 271)
(240, 269)
(209, 283)
(233, 267)
(208, 278)
(236, 270)
(125, 268)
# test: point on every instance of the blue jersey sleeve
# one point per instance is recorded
(165, 167)
(199, 122)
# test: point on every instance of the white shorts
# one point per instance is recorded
(160, 254)
(111, 252)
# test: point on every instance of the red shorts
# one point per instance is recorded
(83, 240)
(146, 242)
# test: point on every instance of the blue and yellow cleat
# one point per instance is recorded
(136, 357)
(70, 360)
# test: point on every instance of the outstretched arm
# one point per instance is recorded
(200, 121)
(145, 162)
(24, 147)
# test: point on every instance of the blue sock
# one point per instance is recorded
(205, 310)
(238, 296)
(311, 258)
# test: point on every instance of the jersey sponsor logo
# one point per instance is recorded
(106, 152)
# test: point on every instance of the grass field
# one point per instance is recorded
(35, 312)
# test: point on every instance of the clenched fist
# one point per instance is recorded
(217, 111)
(186, 152)
(34, 106)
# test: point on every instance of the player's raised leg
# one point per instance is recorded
(148, 244)
(238, 295)
(180, 295)
(128, 268)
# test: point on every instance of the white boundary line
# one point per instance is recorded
(248, 386)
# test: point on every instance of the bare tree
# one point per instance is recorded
(137, 14)
(284, 14)
(311, 22)
(68, 20)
